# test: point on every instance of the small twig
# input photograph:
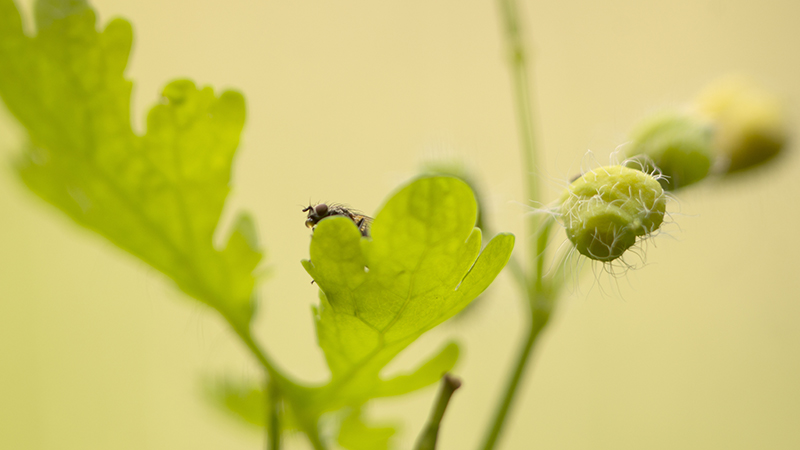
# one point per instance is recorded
(427, 440)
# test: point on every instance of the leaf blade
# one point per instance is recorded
(158, 196)
(378, 295)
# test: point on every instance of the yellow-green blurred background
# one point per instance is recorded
(699, 349)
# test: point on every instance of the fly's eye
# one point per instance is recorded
(321, 209)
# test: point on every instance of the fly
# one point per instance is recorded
(322, 210)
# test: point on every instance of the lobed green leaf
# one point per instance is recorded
(159, 196)
(422, 265)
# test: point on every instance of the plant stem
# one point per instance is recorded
(274, 418)
(519, 72)
(542, 239)
(428, 437)
(273, 374)
(538, 322)
(279, 382)
(533, 284)
(541, 308)
(518, 272)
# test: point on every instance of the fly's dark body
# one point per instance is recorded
(322, 210)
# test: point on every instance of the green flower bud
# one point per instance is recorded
(605, 210)
(675, 144)
(750, 123)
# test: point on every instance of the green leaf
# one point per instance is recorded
(427, 374)
(456, 168)
(245, 399)
(159, 196)
(355, 434)
(422, 265)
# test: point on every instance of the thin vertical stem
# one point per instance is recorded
(522, 101)
(538, 231)
(523, 356)
(274, 416)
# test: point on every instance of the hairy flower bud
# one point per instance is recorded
(750, 124)
(677, 145)
(605, 210)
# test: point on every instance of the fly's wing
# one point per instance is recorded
(363, 223)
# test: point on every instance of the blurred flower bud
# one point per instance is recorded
(750, 126)
(676, 144)
(605, 210)
(456, 168)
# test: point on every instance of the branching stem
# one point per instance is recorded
(532, 283)
(281, 385)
